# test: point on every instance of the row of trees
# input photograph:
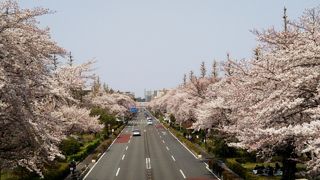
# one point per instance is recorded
(268, 104)
(42, 102)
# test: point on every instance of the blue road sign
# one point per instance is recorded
(133, 110)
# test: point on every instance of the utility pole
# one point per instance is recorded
(203, 69)
(70, 59)
(214, 72)
(191, 76)
(55, 62)
(285, 19)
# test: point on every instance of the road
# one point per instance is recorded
(155, 155)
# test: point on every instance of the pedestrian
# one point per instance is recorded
(72, 166)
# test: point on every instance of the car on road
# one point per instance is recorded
(149, 122)
(136, 132)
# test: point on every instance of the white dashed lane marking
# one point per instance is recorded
(182, 174)
(119, 170)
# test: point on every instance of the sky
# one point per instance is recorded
(151, 44)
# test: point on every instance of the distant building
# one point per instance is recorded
(160, 93)
(152, 94)
(148, 95)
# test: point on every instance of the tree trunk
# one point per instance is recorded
(289, 169)
(288, 162)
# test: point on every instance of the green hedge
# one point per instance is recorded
(227, 175)
(69, 146)
(8, 175)
(239, 169)
(60, 171)
(85, 151)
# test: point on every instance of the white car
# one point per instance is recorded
(149, 122)
(136, 132)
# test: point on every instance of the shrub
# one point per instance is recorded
(104, 117)
(85, 151)
(221, 149)
(245, 159)
(227, 175)
(87, 137)
(239, 169)
(69, 146)
(58, 171)
(172, 119)
(8, 175)
(236, 167)
(91, 146)
(104, 146)
(216, 166)
(161, 119)
(118, 130)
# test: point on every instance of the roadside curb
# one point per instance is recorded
(207, 166)
(101, 156)
(185, 146)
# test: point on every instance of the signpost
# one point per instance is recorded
(133, 110)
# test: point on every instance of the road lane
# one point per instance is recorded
(163, 167)
(133, 166)
(156, 154)
(191, 167)
(103, 169)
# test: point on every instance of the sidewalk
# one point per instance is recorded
(84, 166)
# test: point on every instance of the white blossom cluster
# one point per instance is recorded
(39, 105)
(269, 104)
(115, 103)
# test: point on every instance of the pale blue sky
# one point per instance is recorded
(151, 43)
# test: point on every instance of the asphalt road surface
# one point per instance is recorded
(155, 155)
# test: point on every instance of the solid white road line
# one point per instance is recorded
(183, 144)
(118, 172)
(103, 154)
(167, 148)
(207, 166)
(129, 141)
(173, 158)
(182, 174)
(123, 156)
(148, 163)
(127, 148)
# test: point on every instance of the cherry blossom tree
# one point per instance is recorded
(117, 104)
(25, 55)
(182, 101)
(268, 104)
(76, 120)
(36, 108)
(277, 114)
